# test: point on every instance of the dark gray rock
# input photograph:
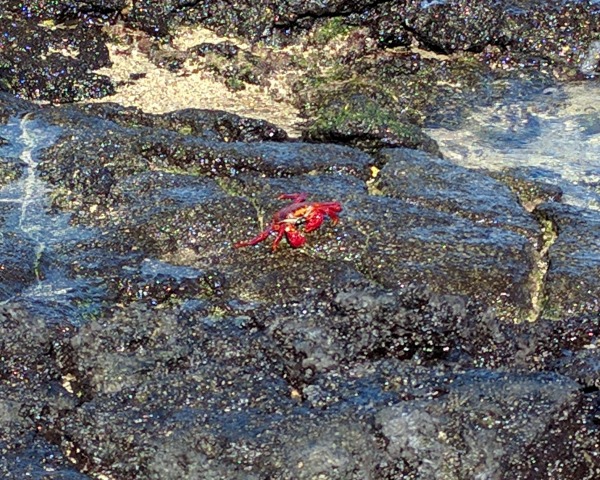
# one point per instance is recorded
(456, 230)
(355, 119)
(10, 169)
(106, 152)
(32, 64)
(476, 407)
(150, 347)
(28, 456)
(18, 262)
(207, 124)
(571, 286)
(424, 180)
(213, 393)
(524, 28)
(29, 382)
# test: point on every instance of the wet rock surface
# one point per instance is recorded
(10, 169)
(136, 342)
(452, 189)
(29, 383)
(123, 177)
(18, 264)
(574, 260)
(143, 336)
(441, 205)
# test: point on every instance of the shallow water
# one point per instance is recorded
(27, 213)
(28, 195)
(553, 137)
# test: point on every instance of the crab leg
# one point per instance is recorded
(333, 216)
(294, 197)
(253, 241)
(278, 238)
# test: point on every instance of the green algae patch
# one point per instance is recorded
(363, 123)
(333, 28)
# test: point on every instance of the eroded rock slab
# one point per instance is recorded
(456, 230)
(29, 382)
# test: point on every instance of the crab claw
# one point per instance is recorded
(320, 211)
(314, 221)
(294, 237)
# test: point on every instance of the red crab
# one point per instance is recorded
(286, 220)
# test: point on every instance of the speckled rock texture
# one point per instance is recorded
(572, 283)
(46, 63)
(139, 342)
(445, 328)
